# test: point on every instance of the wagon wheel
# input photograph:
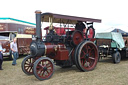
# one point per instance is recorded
(116, 57)
(27, 65)
(86, 56)
(43, 68)
(77, 37)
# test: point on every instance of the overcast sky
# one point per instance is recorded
(114, 13)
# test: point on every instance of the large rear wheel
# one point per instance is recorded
(43, 68)
(86, 56)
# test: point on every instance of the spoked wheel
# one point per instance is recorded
(27, 65)
(43, 68)
(86, 56)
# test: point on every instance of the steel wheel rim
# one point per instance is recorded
(44, 69)
(88, 56)
(78, 55)
(27, 65)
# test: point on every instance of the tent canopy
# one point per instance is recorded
(120, 31)
(116, 37)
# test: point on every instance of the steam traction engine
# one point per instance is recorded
(73, 48)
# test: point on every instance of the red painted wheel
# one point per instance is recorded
(86, 56)
(27, 65)
(43, 68)
(77, 37)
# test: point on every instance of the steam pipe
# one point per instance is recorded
(38, 25)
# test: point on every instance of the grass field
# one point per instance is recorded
(106, 73)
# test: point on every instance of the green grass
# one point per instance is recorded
(106, 73)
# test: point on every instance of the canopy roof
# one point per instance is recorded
(58, 18)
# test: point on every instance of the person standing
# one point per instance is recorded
(1, 56)
(14, 50)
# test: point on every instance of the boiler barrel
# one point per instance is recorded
(50, 48)
(40, 49)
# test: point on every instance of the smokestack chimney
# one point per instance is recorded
(38, 24)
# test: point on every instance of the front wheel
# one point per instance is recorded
(116, 57)
(43, 68)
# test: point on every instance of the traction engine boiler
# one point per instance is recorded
(73, 48)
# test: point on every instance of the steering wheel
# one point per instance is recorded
(90, 33)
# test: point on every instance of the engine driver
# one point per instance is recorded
(80, 26)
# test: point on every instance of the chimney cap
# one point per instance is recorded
(38, 12)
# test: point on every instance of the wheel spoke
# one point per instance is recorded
(47, 72)
(82, 57)
(50, 69)
(91, 50)
(43, 73)
(83, 52)
(45, 64)
(31, 69)
(42, 63)
(91, 58)
(86, 48)
(82, 61)
(39, 71)
(30, 60)
(27, 64)
(48, 65)
(27, 68)
(38, 66)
